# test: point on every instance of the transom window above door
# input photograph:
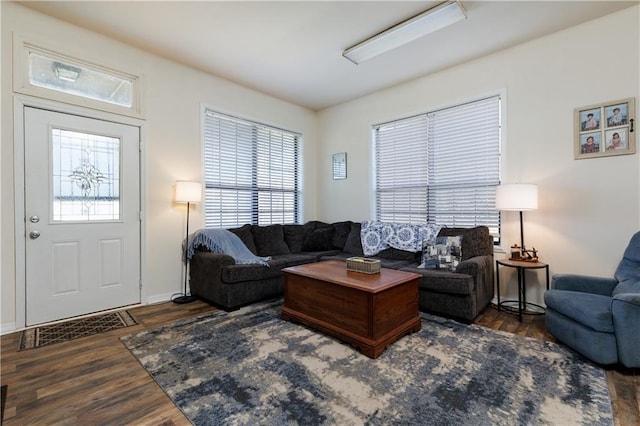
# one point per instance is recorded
(79, 80)
(45, 73)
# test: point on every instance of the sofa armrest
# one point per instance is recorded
(481, 270)
(470, 266)
(205, 270)
(475, 265)
(584, 284)
(625, 308)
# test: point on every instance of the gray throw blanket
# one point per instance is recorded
(223, 241)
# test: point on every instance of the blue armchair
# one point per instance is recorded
(599, 317)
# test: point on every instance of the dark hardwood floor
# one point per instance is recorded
(95, 380)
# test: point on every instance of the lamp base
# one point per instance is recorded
(183, 299)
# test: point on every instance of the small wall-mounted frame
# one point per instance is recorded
(339, 165)
(605, 129)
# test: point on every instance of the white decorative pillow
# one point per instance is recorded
(442, 253)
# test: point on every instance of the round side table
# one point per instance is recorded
(521, 306)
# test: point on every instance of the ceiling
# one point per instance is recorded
(293, 49)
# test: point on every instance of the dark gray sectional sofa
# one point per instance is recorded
(460, 295)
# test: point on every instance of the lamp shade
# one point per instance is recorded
(188, 192)
(517, 196)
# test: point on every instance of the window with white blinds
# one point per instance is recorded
(440, 167)
(252, 172)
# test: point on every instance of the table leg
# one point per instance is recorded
(547, 271)
(521, 293)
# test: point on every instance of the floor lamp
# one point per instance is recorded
(517, 197)
(187, 192)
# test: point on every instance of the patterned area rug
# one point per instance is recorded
(249, 367)
(73, 329)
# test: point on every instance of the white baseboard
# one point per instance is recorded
(159, 298)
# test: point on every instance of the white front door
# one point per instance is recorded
(82, 207)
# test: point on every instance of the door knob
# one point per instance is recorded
(34, 219)
(34, 234)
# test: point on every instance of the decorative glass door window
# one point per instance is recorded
(86, 176)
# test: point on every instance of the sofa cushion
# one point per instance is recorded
(239, 273)
(384, 263)
(395, 263)
(443, 253)
(475, 241)
(294, 236)
(244, 233)
(396, 254)
(319, 240)
(627, 286)
(269, 240)
(591, 310)
(287, 260)
(335, 256)
(443, 281)
(341, 233)
(317, 224)
(353, 245)
(629, 267)
(319, 255)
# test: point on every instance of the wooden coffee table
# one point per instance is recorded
(369, 311)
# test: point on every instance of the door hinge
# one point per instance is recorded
(140, 284)
(140, 145)
(140, 217)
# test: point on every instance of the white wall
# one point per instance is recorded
(589, 208)
(172, 146)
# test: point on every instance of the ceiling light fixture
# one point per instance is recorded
(429, 21)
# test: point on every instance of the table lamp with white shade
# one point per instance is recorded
(187, 192)
(517, 197)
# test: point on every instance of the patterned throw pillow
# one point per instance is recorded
(442, 253)
(377, 236)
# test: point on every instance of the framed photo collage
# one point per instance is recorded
(605, 129)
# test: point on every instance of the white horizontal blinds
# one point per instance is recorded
(251, 173)
(401, 170)
(228, 166)
(277, 176)
(441, 167)
(464, 156)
